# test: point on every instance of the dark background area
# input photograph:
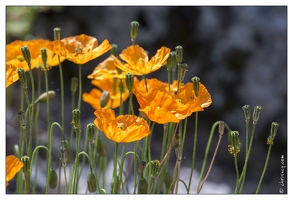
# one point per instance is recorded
(238, 52)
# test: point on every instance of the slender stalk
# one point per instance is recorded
(264, 169)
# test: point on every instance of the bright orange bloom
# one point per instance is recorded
(162, 106)
(11, 74)
(137, 60)
(13, 166)
(79, 49)
(14, 55)
(111, 85)
(106, 69)
(124, 128)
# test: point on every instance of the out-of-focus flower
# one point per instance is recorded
(11, 74)
(137, 60)
(124, 128)
(111, 85)
(80, 49)
(13, 166)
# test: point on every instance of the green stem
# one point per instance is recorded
(194, 151)
(62, 93)
(264, 169)
(79, 86)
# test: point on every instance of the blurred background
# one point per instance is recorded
(238, 52)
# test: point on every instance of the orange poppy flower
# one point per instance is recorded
(106, 69)
(13, 166)
(79, 49)
(124, 128)
(14, 55)
(162, 106)
(137, 60)
(109, 84)
(11, 74)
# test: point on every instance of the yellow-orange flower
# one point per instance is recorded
(79, 49)
(137, 60)
(124, 128)
(162, 106)
(14, 55)
(13, 166)
(111, 85)
(11, 74)
(106, 69)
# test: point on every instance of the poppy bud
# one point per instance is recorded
(76, 118)
(133, 30)
(43, 97)
(247, 114)
(104, 98)
(44, 56)
(142, 186)
(129, 81)
(73, 85)
(179, 53)
(65, 152)
(90, 130)
(274, 128)
(57, 34)
(183, 70)
(26, 165)
(195, 80)
(171, 61)
(53, 179)
(114, 50)
(26, 54)
(22, 77)
(91, 182)
(234, 143)
(256, 113)
(155, 165)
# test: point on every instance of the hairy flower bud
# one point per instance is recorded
(26, 54)
(43, 97)
(53, 179)
(179, 53)
(104, 98)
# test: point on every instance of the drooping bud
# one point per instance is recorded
(256, 113)
(43, 97)
(26, 54)
(22, 119)
(234, 143)
(26, 165)
(195, 80)
(91, 182)
(179, 54)
(103, 191)
(274, 128)
(133, 30)
(129, 81)
(141, 167)
(57, 33)
(104, 98)
(73, 85)
(65, 153)
(76, 119)
(155, 165)
(247, 114)
(90, 130)
(53, 179)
